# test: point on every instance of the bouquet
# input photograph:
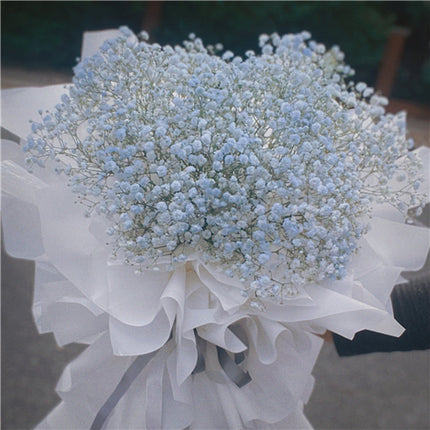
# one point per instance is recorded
(200, 218)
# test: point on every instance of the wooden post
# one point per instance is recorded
(152, 16)
(391, 59)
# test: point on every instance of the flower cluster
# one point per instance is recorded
(266, 166)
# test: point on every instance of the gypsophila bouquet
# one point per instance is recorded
(266, 166)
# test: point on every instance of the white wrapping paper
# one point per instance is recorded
(83, 295)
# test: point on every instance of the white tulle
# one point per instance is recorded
(83, 295)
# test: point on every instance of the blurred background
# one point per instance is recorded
(387, 43)
(47, 35)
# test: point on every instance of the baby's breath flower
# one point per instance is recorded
(266, 166)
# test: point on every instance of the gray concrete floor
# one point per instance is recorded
(369, 392)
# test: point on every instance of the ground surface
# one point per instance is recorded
(370, 392)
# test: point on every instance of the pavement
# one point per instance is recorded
(369, 392)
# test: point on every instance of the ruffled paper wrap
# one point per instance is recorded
(178, 318)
